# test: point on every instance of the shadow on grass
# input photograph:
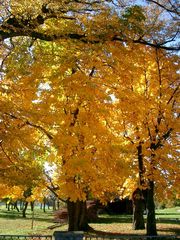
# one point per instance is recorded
(128, 219)
(168, 221)
(18, 215)
(168, 234)
(169, 230)
(114, 219)
(169, 213)
(102, 234)
(10, 214)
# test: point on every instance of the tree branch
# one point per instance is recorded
(164, 137)
(151, 44)
(15, 28)
(174, 92)
(54, 192)
(9, 159)
(174, 9)
(27, 122)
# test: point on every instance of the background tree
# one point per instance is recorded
(147, 103)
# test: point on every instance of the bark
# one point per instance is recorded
(140, 164)
(44, 205)
(8, 206)
(16, 206)
(32, 206)
(58, 204)
(54, 204)
(138, 209)
(151, 218)
(24, 209)
(137, 197)
(77, 216)
(27, 193)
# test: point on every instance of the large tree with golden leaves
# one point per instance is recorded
(61, 64)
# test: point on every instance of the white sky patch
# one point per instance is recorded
(41, 87)
(44, 86)
(111, 99)
(50, 168)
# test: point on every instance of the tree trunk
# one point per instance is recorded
(24, 209)
(54, 204)
(21, 205)
(44, 206)
(77, 216)
(151, 218)
(8, 205)
(16, 206)
(137, 197)
(58, 204)
(32, 206)
(138, 209)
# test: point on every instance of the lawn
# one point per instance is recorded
(12, 223)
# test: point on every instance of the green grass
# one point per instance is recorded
(173, 213)
(11, 222)
(168, 222)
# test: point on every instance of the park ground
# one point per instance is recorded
(11, 222)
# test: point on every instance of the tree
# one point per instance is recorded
(75, 20)
(147, 103)
(62, 98)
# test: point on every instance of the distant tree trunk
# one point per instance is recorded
(8, 206)
(27, 193)
(58, 204)
(24, 209)
(138, 209)
(77, 216)
(32, 206)
(21, 205)
(16, 206)
(48, 204)
(151, 218)
(54, 204)
(44, 205)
